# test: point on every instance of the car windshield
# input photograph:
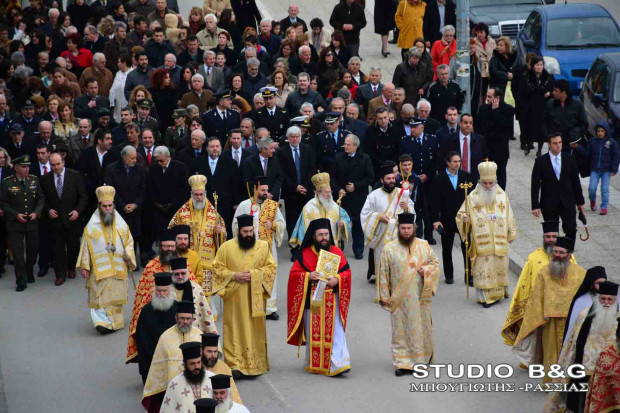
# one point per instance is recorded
(586, 32)
(617, 88)
(483, 3)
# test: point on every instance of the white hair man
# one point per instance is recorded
(100, 72)
(208, 37)
(221, 393)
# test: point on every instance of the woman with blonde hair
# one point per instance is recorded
(216, 6)
(196, 20)
(501, 65)
(140, 92)
(52, 103)
(279, 79)
(106, 26)
(66, 125)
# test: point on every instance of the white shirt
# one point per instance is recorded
(236, 153)
(213, 164)
(262, 161)
(47, 165)
(62, 174)
(220, 112)
(101, 155)
(553, 160)
(461, 136)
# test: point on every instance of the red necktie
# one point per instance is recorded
(148, 156)
(44, 169)
(247, 143)
(465, 156)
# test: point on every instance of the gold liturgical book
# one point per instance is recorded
(327, 267)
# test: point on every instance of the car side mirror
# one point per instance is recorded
(597, 99)
(530, 43)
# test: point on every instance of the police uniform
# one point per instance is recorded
(22, 197)
(307, 137)
(215, 125)
(276, 124)
(327, 146)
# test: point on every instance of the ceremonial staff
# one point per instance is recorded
(124, 258)
(338, 230)
(466, 186)
(217, 221)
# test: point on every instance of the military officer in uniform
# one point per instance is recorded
(272, 117)
(307, 137)
(221, 120)
(146, 121)
(22, 200)
(177, 135)
(330, 142)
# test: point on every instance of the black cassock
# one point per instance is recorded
(151, 325)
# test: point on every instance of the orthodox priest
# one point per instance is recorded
(221, 392)
(269, 226)
(192, 384)
(408, 278)
(106, 254)
(208, 230)
(168, 359)
(322, 206)
(243, 274)
(155, 318)
(594, 331)
(183, 234)
(540, 336)
(537, 259)
(211, 361)
(146, 286)
(486, 216)
(603, 394)
(379, 214)
(319, 293)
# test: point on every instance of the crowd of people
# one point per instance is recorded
(126, 125)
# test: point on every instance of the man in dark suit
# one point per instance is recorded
(556, 189)
(130, 181)
(87, 105)
(17, 146)
(471, 146)
(451, 125)
(423, 148)
(168, 187)
(196, 150)
(223, 178)
(40, 169)
(218, 121)
(293, 11)
(496, 123)
(299, 164)
(438, 14)
(370, 90)
(446, 199)
(352, 122)
(381, 141)
(350, 176)
(330, 142)
(264, 163)
(423, 111)
(65, 203)
(272, 117)
(146, 149)
(92, 164)
(236, 152)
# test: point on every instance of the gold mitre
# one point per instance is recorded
(105, 193)
(487, 170)
(320, 181)
(197, 182)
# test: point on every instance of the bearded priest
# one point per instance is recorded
(486, 216)
(146, 286)
(322, 206)
(318, 302)
(269, 226)
(106, 254)
(540, 336)
(243, 274)
(408, 278)
(207, 226)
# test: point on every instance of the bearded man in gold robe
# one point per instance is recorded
(408, 278)
(486, 216)
(106, 254)
(243, 274)
(541, 333)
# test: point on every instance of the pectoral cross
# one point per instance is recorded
(501, 206)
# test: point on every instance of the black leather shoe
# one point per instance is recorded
(449, 281)
(237, 374)
(401, 372)
(103, 330)
(273, 316)
(526, 151)
(2, 270)
(359, 256)
(31, 279)
(42, 272)
(20, 288)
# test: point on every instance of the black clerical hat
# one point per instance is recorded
(386, 170)
(260, 180)
(182, 229)
(178, 263)
(191, 350)
(406, 218)
(185, 307)
(607, 288)
(220, 381)
(245, 220)
(596, 273)
(565, 242)
(163, 278)
(319, 223)
(551, 226)
(167, 235)
(210, 339)
(205, 405)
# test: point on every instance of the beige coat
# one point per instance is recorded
(207, 41)
(484, 55)
(105, 79)
(215, 6)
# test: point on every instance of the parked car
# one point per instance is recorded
(569, 37)
(504, 17)
(601, 92)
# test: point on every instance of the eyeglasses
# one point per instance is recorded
(329, 54)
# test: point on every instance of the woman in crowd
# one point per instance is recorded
(339, 47)
(485, 45)
(222, 47)
(52, 104)
(119, 14)
(276, 28)
(185, 83)
(384, 22)
(330, 71)
(537, 90)
(228, 22)
(196, 20)
(286, 51)
(164, 95)
(279, 79)
(501, 64)
(443, 50)
(140, 92)
(79, 57)
(426, 56)
(408, 18)
(347, 80)
(359, 78)
(65, 127)
(236, 87)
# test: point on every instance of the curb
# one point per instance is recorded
(516, 263)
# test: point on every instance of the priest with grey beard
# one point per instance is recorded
(155, 318)
(594, 331)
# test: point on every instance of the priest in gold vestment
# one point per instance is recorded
(487, 217)
(106, 254)
(207, 226)
(542, 329)
(211, 361)
(243, 274)
(194, 263)
(408, 278)
(168, 359)
(269, 226)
